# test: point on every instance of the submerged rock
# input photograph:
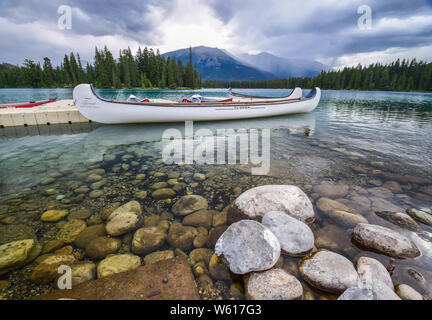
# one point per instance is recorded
(165, 280)
(159, 185)
(131, 206)
(405, 292)
(248, 246)
(47, 270)
(379, 204)
(329, 271)
(181, 237)
(189, 204)
(256, 202)
(117, 263)
(360, 203)
(100, 247)
(54, 215)
(218, 270)
(98, 185)
(70, 230)
(423, 216)
(124, 219)
(89, 234)
(4, 284)
(82, 272)
(400, 219)
(333, 238)
(201, 218)
(427, 189)
(82, 189)
(273, 284)
(200, 254)
(15, 253)
(148, 239)
(151, 221)
(47, 181)
(52, 245)
(199, 176)
(220, 219)
(96, 194)
(93, 177)
(141, 194)
(393, 186)
(295, 237)
(64, 250)
(385, 240)
(80, 213)
(339, 212)
(163, 193)
(158, 256)
(179, 186)
(16, 232)
(215, 234)
(330, 190)
(381, 192)
(200, 240)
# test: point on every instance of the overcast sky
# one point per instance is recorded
(325, 30)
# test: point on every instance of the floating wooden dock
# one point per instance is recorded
(59, 112)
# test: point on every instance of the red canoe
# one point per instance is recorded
(30, 104)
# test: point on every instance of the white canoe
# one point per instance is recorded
(102, 110)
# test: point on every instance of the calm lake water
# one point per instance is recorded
(378, 144)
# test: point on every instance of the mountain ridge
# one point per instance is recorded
(219, 64)
(216, 64)
(284, 67)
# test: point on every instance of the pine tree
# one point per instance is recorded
(48, 73)
(73, 69)
(170, 73)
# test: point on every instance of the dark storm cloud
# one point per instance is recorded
(295, 28)
(327, 28)
(95, 17)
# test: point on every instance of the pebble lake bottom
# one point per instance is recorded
(365, 152)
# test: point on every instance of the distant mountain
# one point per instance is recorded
(284, 67)
(218, 64)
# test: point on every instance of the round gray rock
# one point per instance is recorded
(256, 202)
(358, 293)
(295, 237)
(372, 272)
(385, 240)
(248, 246)
(273, 284)
(329, 272)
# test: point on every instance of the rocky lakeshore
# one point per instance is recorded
(291, 234)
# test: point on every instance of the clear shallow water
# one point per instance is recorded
(372, 131)
(396, 124)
